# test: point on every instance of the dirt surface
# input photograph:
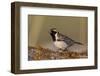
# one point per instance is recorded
(40, 53)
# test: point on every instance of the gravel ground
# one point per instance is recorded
(41, 53)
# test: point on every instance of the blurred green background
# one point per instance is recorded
(40, 25)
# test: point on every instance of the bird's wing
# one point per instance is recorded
(68, 40)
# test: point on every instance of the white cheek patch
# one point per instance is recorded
(56, 36)
(54, 30)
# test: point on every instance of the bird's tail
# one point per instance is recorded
(78, 43)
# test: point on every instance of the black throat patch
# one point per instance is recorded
(53, 35)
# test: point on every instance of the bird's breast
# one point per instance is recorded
(60, 44)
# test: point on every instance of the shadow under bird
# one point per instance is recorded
(61, 41)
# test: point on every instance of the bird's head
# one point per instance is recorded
(52, 33)
(53, 30)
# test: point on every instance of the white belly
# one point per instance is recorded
(60, 44)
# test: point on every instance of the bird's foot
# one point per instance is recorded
(65, 49)
(60, 50)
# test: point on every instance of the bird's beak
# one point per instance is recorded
(49, 31)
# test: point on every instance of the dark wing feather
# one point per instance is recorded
(66, 39)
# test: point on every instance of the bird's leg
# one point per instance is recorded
(60, 50)
(66, 49)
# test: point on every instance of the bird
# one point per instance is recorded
(62, 42)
